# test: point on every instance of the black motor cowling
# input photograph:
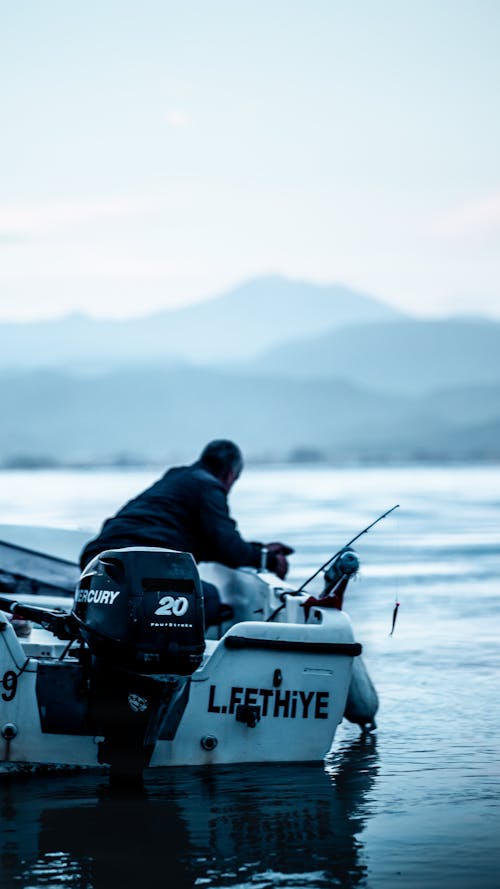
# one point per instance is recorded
(141, 608)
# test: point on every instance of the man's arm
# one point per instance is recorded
(222, 541)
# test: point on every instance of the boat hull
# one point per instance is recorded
(264, 693)
(272, 688)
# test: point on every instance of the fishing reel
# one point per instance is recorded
(338, 574)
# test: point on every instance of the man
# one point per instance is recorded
(187, 510)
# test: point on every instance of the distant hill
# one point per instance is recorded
(285, 368)
(238, 325)
(402, 356)
(167, 415)
(469, 406)
(481, 439)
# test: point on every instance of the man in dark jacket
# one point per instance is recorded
(187, 510)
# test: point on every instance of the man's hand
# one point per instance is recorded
(280, 548)
(276, 558)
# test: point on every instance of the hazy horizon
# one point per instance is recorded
(211, 296)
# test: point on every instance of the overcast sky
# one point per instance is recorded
(154, 153)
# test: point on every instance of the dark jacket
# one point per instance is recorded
(185, 510)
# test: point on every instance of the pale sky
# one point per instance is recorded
(155, 153)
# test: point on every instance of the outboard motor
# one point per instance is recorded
(141, 608)
(140, 612)
(139, 618)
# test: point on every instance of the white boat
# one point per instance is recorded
(122, 675)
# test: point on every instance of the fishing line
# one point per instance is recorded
(398, 579)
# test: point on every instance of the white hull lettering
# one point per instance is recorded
(99, 597)
(172, 605)
(274, 702)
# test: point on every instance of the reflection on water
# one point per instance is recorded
(259, 825)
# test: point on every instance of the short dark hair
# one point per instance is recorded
(222, 456)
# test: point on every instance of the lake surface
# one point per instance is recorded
(416, 804)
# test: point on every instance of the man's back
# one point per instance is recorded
(185, 510)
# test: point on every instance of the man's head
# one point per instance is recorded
(223, 459)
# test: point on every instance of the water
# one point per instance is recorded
(414, 805)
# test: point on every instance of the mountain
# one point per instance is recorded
(467, 405)
(400, 356)
(240, 324)
(167, 415)
(285, 368)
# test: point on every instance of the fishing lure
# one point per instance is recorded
(394, 617)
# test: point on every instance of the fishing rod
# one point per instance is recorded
(331, 559)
